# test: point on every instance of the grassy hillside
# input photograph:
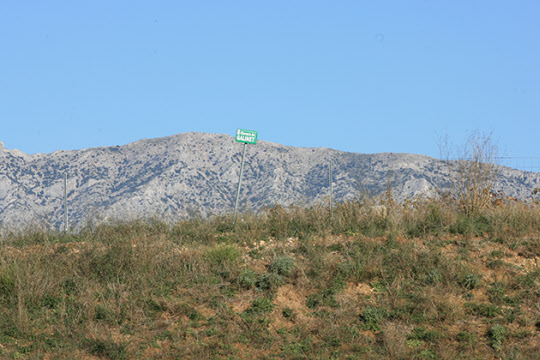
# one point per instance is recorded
(417, 281)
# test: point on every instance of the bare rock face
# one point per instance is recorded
(197, 173)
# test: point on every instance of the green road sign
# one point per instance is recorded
(246, 136)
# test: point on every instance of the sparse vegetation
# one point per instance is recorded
(473, 172)
(425, 280)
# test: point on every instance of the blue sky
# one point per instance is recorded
(358, 76)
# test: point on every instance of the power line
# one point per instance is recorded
(525, 163)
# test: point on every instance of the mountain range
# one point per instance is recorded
(197, 174)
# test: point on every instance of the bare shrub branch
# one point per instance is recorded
(472, 170)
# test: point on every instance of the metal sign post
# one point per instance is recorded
(240, 181)
(246, 137)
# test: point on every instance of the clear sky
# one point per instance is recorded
(359, 76)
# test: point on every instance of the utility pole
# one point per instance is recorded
(331, 190)
(65, 204)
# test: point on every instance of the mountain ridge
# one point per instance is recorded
(197, 173)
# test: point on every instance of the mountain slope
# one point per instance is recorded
(189, 173)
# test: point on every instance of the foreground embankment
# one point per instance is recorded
(422, 280)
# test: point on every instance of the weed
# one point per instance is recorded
(351, 270)
(467, 338)
(373, 316)
(421, 333)
(7, 281)
(107, 348)
(471, 225)
(528, 280)
(70, 286)
(496, 264)
(326, 297)
(497, 335)
(482, 309)
(165, 335)
(414, 343)
(497, 292)
(427, 354)
(433, 277)
(194, 315)
(104, 314)
(223, 259)
(114, 264)
(270, 282)
(260, 306)
(283, 265)
(247, 279)
(289, 313)
(471, 281)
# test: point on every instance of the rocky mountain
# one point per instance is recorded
(197, 173)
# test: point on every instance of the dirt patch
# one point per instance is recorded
(356, 290)
(242, 301)
(288, 297)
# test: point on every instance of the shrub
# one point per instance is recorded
(247, 279)
(373, 316)
(223, 255)
(283, 265)
(260, 306)
(270, 281)
(223, 259)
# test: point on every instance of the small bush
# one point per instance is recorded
(373, 316)
(223, 256)
(260, 306)
(247, 279)
(283, 265)
(270, 281)
(223, 259)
